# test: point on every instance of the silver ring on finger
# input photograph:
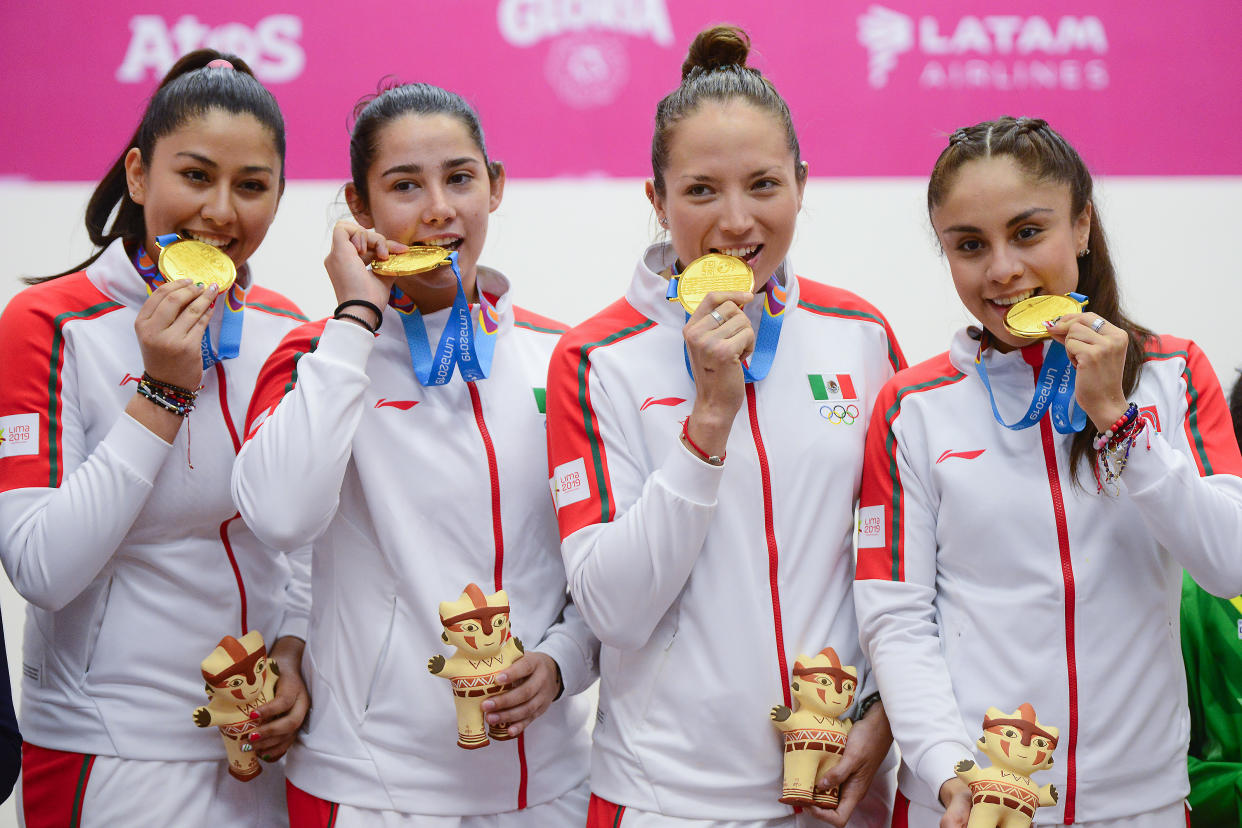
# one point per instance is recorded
(1099, 323)
(716, 315)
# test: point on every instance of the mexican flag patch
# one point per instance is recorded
(832, 387)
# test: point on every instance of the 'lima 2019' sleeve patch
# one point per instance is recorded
(871, 527)
(569, 483)
(19, 435)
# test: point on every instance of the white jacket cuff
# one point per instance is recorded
(138, 447)
(688, 476)
(344, 342)
(578, 669)
(936, 766)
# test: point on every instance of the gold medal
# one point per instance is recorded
(1026, 319)
(197, 261)
(417, 259)
(713, 272)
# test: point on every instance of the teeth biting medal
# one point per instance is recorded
(418, 259)
(713, 272)
(182, 258)
(1026, 319)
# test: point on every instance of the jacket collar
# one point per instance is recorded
(113, 273)
(648, 289)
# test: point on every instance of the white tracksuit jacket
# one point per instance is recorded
(988, 577)
(705, 583)
(134, 564)
(408, 494)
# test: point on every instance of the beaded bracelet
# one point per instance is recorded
(171, 398)
(1120, 427)
(713, 459)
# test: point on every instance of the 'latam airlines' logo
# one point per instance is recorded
(588, 64)
(271, 46)
(1001, 51)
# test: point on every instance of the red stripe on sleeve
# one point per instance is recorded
(279, 374)
(33, 331)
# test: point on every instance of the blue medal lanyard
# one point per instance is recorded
(1054, 390)
(465, 342)
(234, 306)
(767, 337)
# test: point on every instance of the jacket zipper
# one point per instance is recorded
(493, 473)
(1067, 578)
(769, 527)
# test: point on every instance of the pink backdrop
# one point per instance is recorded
(568, 87)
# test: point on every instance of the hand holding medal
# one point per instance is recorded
(350, 264)
(1097, 350)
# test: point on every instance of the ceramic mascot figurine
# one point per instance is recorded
(814, 733)
(240, 678)
(1004, 795)
(478, 626)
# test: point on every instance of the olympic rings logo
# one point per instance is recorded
(839, 414)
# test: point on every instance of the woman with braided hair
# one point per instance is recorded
(1008, 557)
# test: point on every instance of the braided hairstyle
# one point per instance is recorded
(1045, 155)
(190, 90)
(715, 69)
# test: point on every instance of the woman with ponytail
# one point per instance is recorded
(706, 467)
(117, 529)
(1011, 558)
(413, 479)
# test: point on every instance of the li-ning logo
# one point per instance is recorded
(1150, 415)
(129, 378)
(670, 401)
(965, 455)
(404, 405)
(588, 65)
(1002, 51)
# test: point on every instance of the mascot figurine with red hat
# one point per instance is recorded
(239, 680)
(1018, 745)
(478, 626)
(814, 733)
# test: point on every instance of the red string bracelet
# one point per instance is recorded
(714, 459)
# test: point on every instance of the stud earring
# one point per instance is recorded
(1082, 253)
(664, 223)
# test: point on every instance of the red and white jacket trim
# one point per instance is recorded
(408, 494)
(705, 583)
(132, 562)
(989, 576)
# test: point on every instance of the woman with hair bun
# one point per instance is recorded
(424, 474)
(706, 467)
(120, 532)
(1036, 558)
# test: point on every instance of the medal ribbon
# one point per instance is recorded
(459, 345)
(1054, 391)
(766, 338)
(234, 306)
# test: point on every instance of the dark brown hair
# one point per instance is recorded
(1046, 156)
(189, 90)
(373, 112)
(715, 69)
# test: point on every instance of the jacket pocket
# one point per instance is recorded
(382, 660)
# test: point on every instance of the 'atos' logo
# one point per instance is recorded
(271, 47)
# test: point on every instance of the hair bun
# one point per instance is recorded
(716, 47)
